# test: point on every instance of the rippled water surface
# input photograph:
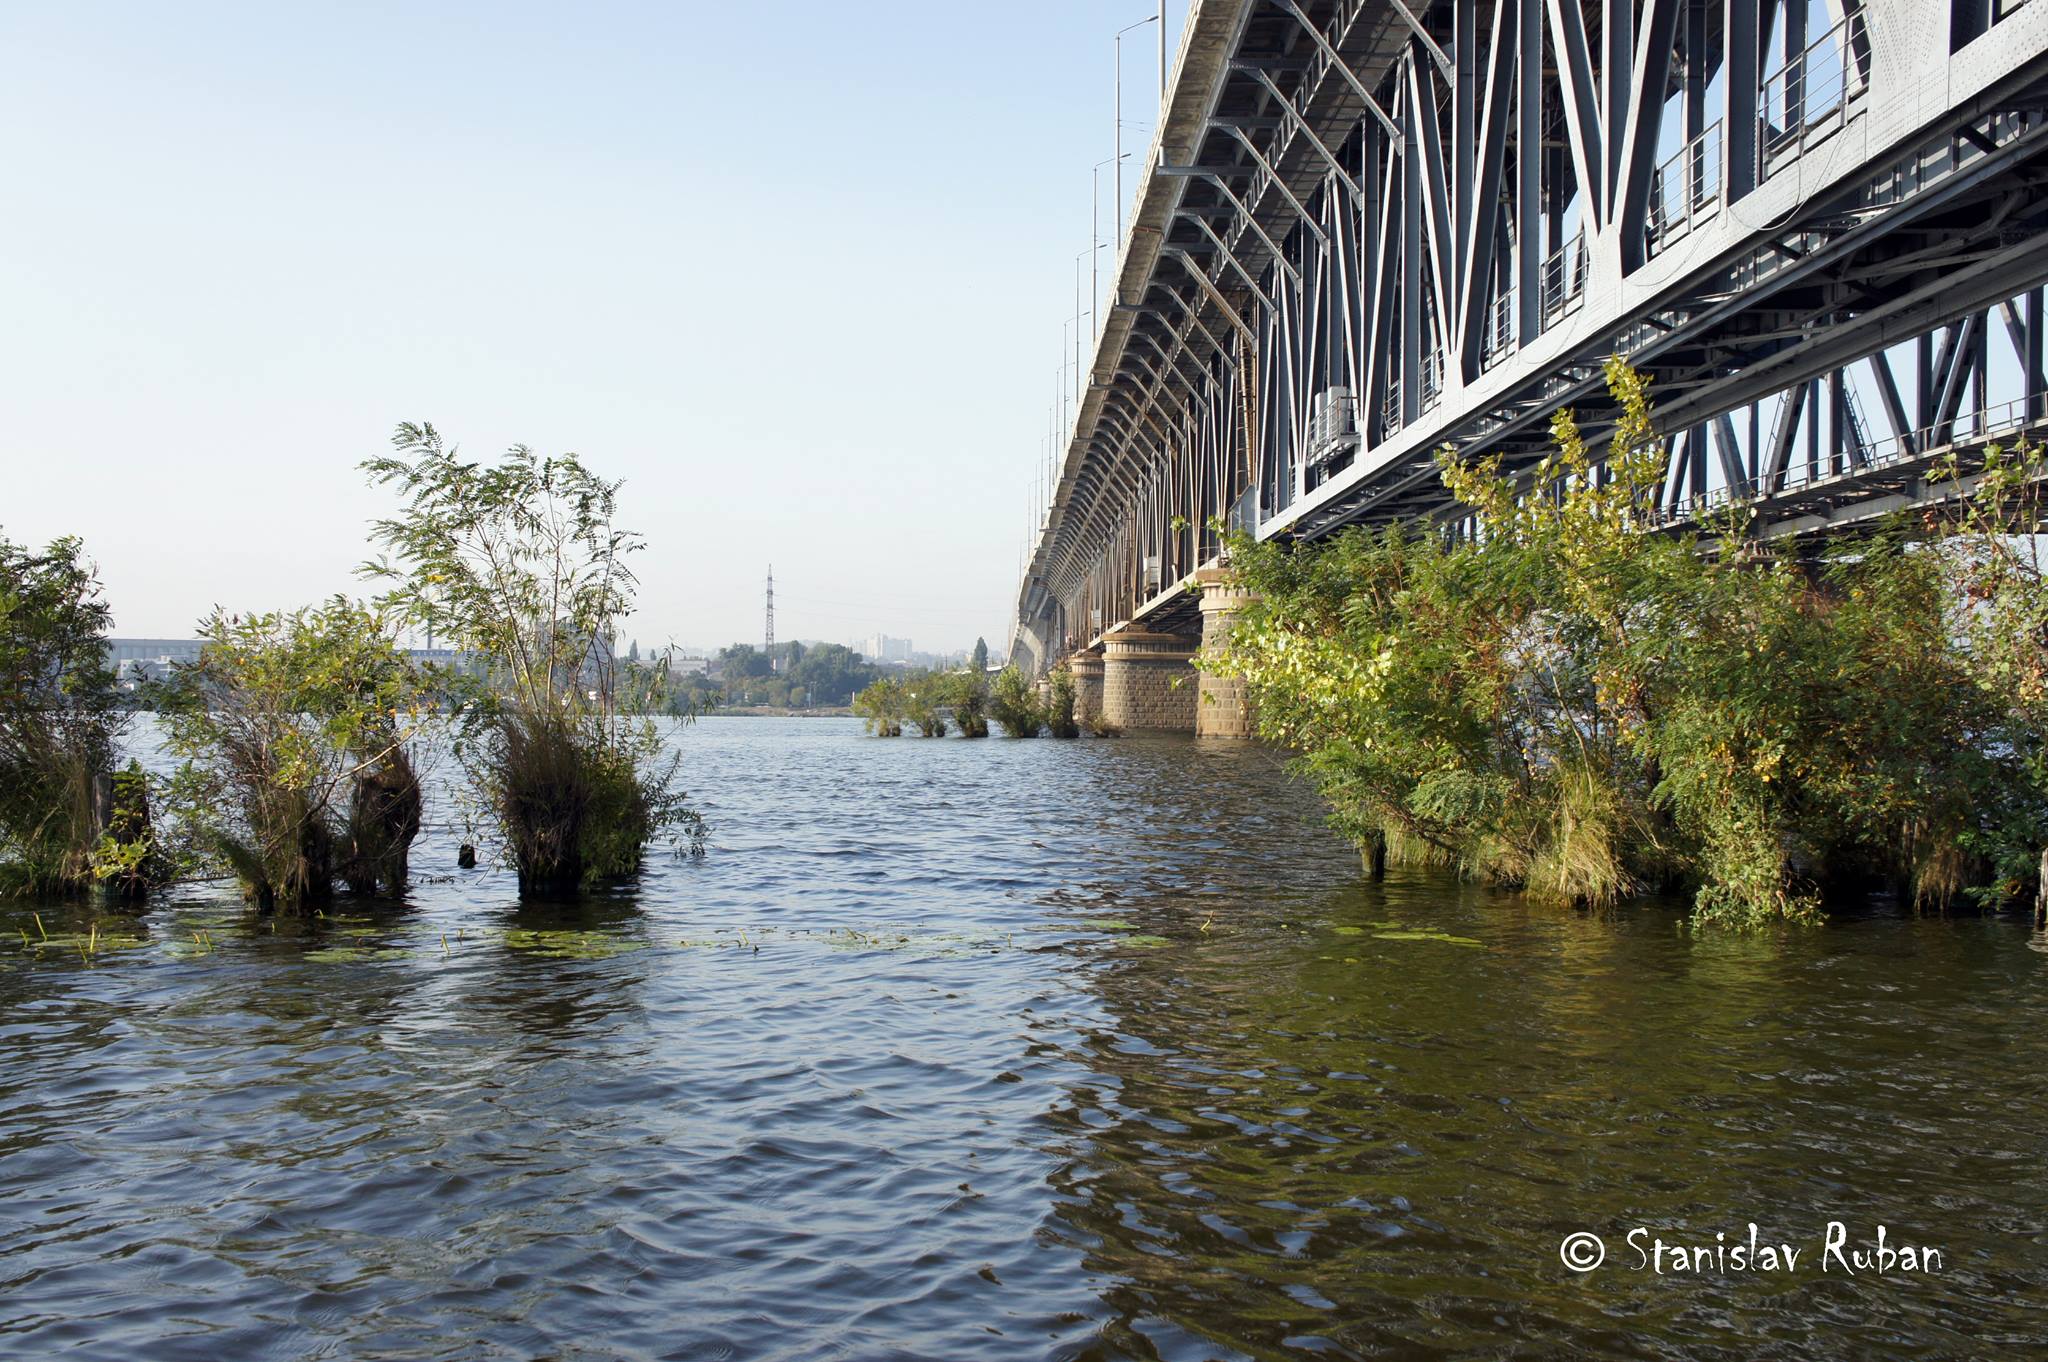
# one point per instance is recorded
(963, 1050)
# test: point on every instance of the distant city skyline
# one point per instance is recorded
(249, 241)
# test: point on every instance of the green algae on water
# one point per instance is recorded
(1426, 935)
(570, 945)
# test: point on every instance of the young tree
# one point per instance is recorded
(522, 563)
(977, 662)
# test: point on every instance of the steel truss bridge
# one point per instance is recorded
(1368, 229)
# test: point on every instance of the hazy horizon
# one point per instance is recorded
(797, 278)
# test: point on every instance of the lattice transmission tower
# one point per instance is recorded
(769, 646)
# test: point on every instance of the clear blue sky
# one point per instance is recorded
(796, 272)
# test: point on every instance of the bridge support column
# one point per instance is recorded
(1222, 709)
(1147, 682)
(1087, 669)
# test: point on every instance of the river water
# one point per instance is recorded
(990, 1050)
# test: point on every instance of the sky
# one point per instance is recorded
(797, 273)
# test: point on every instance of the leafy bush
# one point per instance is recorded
(294, 731)
(60, 722)
(881, 703)
(1012, 705)
(926, 696)
(1563, 701)
(967, 696)
(1059, 714)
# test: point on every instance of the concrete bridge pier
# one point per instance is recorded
(1147, 682)
(1222, 709)
(1086, 667)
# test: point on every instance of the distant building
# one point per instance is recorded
(161, 652)
(882, 648)
(689, 666)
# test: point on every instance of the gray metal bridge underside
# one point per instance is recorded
(1370, 229)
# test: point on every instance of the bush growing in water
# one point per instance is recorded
(881, 705)
(1059, 715)
(522, 565)
(1012, 705)
(926, 696)
(294, 729)
(60, 720)
(1566, 702)
(929, 701)
(968, 697)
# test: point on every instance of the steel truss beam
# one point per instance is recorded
(1433, 221)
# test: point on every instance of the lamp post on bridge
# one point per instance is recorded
(1095, 233)
(1118, 41)
(1079, 313)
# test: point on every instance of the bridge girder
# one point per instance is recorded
(1376, 229)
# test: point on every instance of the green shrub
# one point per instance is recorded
(60, 720)
(1059, 714)
(881, 704)
(967, 696)
(1564, 702)
(926, 696)
(1012, 705)
(283, 724)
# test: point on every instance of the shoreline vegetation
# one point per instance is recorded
(1552, 695)
(934, 703)
(300, 734)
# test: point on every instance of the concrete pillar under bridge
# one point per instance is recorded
(1222, 708)
(1086, 667)
(1148, 685)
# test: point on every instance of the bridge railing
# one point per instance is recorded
(1810, 94)
(1687, 188)
(1971, 428)
(1563, 278)
(1500, 340)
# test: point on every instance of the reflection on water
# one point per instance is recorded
(1003, 1050)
